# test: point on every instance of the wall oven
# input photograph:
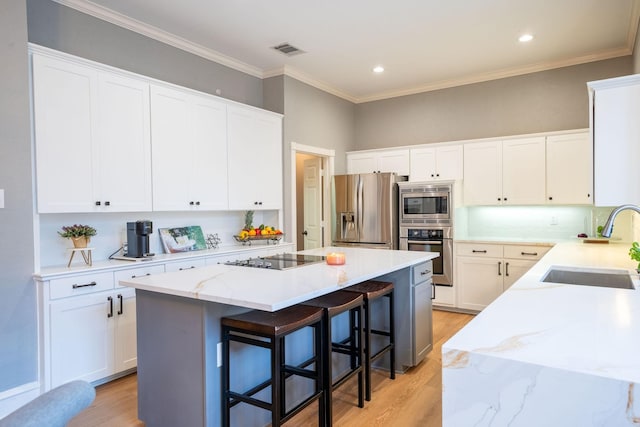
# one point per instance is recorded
(425, 203)
(431, 239)
(426, 224)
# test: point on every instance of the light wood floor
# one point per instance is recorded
(412, 399)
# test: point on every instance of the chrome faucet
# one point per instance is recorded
(608, 226)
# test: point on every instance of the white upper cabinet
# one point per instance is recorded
(523, 171)
(379, 161)
(505, 172)
(87, 122)
(483, 173)
(570, 169)
(615, 123)
(255, 159)
(189, 134)
(436, 163)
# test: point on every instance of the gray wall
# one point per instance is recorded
(538, 102)
(67, 30)
(317, 118)
(18, 328)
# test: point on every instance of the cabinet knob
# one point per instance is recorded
(191, 203)
(98, 203)
(588, 196)
(438, 175)
(505, 199)
(198, 203)
(431, 175)
(107, 203)
(499, 199)
(550, 198)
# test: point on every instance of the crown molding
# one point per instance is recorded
(289, 71)
(501, 74)
(155, 33)
(86, 6)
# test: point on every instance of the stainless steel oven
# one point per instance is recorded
(425, 203)
(431, 239)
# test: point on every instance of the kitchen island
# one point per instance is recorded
(178, 324)
(549, 354)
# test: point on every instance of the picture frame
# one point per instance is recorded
(182, 239)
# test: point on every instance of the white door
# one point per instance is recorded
(422, 164)
(312, 203)
(123, 173)
(523, 171)
(82, 338)
(570, 169)
(483, 173)
(125, 345)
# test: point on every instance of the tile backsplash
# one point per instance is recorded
(537, 223)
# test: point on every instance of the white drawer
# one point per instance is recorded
(80, 285)
(525, 252)
(479, 249)
(422, 272)
(131, 273)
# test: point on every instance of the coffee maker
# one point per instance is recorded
(138, 239)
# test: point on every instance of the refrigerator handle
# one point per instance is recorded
(360, 207)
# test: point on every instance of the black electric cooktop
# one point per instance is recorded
(278, 262)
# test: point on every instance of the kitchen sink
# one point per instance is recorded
(603, 277)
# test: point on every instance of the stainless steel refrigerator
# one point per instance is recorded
(365, 210)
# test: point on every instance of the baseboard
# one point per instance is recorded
(12, 399)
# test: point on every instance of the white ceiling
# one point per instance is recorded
(422, 44)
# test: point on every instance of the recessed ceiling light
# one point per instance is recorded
(379, 69)
(525, 38)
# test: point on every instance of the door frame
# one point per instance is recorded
(328, 156)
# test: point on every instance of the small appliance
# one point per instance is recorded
(138, 239)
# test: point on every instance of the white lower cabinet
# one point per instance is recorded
(88, 325)
(484, 271)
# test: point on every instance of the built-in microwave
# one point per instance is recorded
(426, 203)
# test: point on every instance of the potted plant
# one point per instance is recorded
(634, 253)
(79, 234)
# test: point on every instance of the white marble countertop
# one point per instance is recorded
(584, 329)
(273, 290)
(241, 251)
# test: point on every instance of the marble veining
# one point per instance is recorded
(549, 354)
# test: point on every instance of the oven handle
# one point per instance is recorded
(425, 242)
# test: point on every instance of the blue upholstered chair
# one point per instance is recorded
(54, 408)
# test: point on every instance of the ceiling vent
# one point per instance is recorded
(287, 49)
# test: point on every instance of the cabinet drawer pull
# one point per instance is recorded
(433, 291)
(76, 286)
(422, 273)
(121, 305)
(529, 253)
(499, 268)
(186, 268)
(506, 269)
(146, 274)
(479, 252)
(110, 313)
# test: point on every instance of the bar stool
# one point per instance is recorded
(269, 330)
(372, 290)
(334, 304)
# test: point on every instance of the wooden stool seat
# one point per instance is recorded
(269, 330)
(275, 323)
(373, 290)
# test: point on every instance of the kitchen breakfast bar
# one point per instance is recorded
(178, 325)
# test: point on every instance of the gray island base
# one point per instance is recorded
(179, 373)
